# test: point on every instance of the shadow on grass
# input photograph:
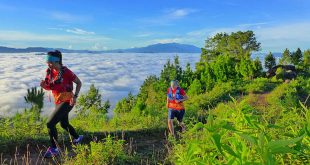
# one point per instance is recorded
(145, 145)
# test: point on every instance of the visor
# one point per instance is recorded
(52, 59)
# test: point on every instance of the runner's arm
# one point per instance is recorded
(184, 99)
(78, 83)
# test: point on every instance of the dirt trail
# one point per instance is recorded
(259, 100)
(148, 145)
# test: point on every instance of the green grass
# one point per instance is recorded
(235, 133)
(242, 122)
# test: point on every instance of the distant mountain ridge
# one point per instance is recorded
(161, 48)
(156, 48)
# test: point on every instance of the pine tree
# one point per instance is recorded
(195, 88)
(35, 98)
(297, 57)
(187, 77)
(286, 57)
(178, 68)
(270, 61)
(224, 68)
(92, 99)
(246, 68)
(258, 68)
(306, 60)
(207, 78)
(125, 105)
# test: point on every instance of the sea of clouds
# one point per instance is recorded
(115, 74)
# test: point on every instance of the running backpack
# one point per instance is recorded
(51, 81)
(177, 96)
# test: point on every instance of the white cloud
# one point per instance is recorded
(26, 36)
(253, 24)
(114, 76)
(166, 40)
(199, 33)
(167, 17)
(291, 35)
(67, 17)
(272, 37)
(79, 31)
(99, 46)
(297, 31)
(179, 13)
(25, 39)
(147, 34)
(55, 28)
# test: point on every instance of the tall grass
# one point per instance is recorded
(235, 133)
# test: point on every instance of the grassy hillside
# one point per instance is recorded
(234, 115)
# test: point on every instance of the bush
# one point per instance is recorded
(259, 85)
(235, 134)
(280, 73)
(108, 151)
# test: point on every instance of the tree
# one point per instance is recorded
(171, 71)
(286, 57)
(125, 105)
(224, 68)
(238, 45)
(92, 99)
(187, 77)
(258, 68)
(195, 88)
(246, 68)
(297, 57)
(144, 92)
(107, 105)
(270, 61)
(306, 62)
(221, 58)
(208, 78)
(178, 68)
(35, 98)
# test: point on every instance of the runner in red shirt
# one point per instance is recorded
(175, 97)
(59, 79)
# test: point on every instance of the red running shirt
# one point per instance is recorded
(62, 92)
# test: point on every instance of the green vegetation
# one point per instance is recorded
(234, 114)
(286, 57)
(270, 61)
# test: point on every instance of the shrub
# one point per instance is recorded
(259, 85)
(109, 151)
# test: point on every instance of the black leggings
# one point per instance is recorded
(60, 114)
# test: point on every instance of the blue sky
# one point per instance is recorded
(111, 24)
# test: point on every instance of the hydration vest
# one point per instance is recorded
(51, 82)
(177, 95)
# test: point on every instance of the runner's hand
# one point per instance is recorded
(42, 84)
